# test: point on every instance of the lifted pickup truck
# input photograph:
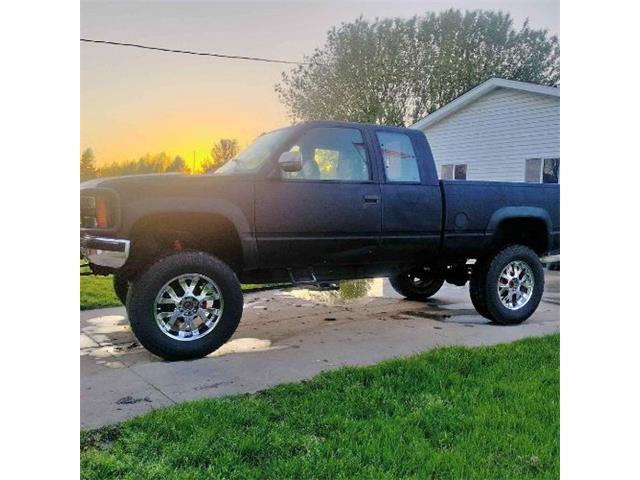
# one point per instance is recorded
(312, 203)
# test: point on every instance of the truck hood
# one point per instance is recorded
(171, 185)
(125, 179)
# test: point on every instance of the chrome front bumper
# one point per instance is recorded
(105, 252)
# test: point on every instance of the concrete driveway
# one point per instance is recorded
(284, 336)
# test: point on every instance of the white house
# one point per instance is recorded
(500, 130)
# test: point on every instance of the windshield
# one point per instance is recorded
(254, 156)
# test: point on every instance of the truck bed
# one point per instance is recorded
(473, 209)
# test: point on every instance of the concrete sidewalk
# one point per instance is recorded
(284, 336)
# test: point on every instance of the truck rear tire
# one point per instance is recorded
(508, 288)
(417, 285)
(185, 305)
(476, 288)
(121, 287)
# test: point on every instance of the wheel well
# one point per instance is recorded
(158, 234)
(531, 232)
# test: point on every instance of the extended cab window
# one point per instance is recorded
(400, 162)
(331, 154)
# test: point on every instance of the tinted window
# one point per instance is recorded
(331, 154)
(400, 162)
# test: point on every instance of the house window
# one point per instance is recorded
(542, 170)
(454, 172)
(551, 170)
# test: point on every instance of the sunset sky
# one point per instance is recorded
(137, 101)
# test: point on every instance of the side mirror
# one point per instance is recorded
(290, 162)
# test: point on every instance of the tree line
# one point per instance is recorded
(222, 151)
(396, 71)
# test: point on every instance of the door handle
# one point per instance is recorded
(371, 198)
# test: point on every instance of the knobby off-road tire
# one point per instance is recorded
(508, 286)
(121, 287)
(166, 304)
(418, 285)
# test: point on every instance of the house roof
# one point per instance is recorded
(479, 91)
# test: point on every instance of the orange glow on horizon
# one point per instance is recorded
(195, 135)
(172, 104)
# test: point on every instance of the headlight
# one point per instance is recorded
(96, 211)
(88, 212)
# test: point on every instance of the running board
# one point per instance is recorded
(306, 277)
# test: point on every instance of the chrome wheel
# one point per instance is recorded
(515, 285)
(188, 307)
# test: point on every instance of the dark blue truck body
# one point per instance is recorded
(266, 225)
(310, 204)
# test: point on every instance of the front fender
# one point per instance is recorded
(136, 210)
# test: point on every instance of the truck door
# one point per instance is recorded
(412, 204)
(329, 212)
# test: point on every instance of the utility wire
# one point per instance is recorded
(189, 52)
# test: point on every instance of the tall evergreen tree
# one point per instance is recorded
(87, 165)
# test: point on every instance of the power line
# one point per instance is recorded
(189, 52)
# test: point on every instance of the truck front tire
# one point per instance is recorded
(417, 285)
(121, 287)
(507, 287)
(185, 305)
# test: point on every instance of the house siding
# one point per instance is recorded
(496, 134)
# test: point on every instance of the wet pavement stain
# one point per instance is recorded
(130, 346)
(438, 315)
(129, 400)
(212, 385)
(349, 290)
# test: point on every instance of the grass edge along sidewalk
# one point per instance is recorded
(455, 412)
(96, 291)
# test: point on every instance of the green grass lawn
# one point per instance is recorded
(449, 413)
(97, 292)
